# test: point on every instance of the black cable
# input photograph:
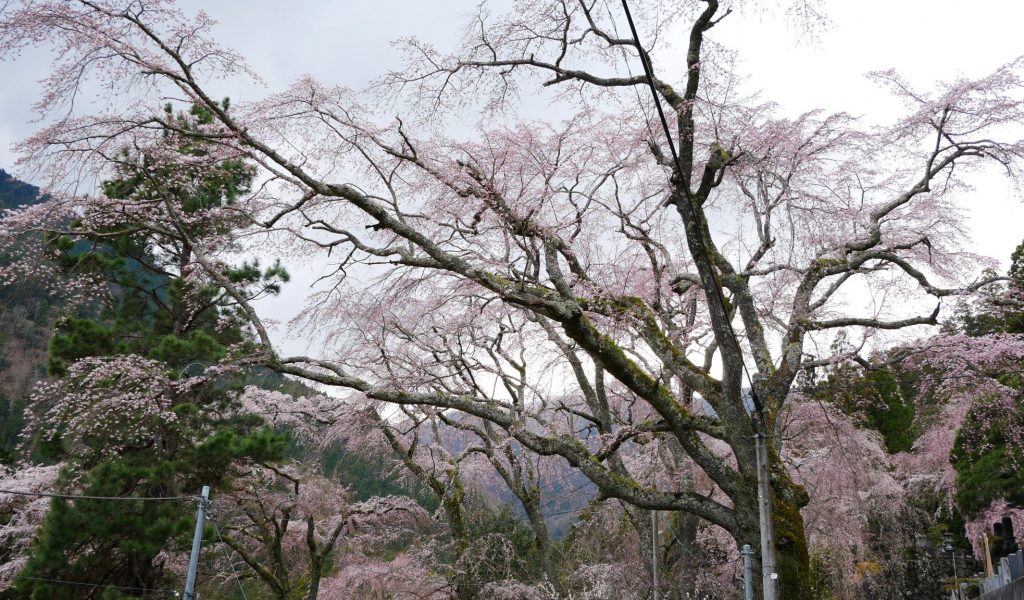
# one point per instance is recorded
(625, 59)
(85, 497)
(698, 231)
(172, 593)
(649, 73)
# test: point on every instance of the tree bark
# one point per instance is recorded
(316, 568)
(791, 558)
(542, 541)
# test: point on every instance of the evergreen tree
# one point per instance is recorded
(141, 408)
(987, 455)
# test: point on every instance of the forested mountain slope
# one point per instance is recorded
(25, 322)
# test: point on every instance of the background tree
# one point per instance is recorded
(27, 312)
(988, 450)
(288, 526)
(162, 306)
(441, 466)
(21, 516)
(949, 410)
(141, 407)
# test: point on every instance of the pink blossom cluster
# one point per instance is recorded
(846, 471)
(961, 363)
(291, 518)
(108, 405)
(927, 467)
(607, 580)
(22, 515)
(310, 417)
(28, 259)
(961, 375)
(406, 577)
(983, 521)
(511, 589)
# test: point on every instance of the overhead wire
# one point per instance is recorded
(564, 495)
(629, 70)
(716, 288)
(227, 555)
(146, 591)
(88, 497)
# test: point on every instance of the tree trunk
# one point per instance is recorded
(451, 502)
(316, 569)
(681, 551)
(791, 559)
(640, 519)
(542, 541)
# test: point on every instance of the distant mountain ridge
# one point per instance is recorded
(25, 324)
(15, 193)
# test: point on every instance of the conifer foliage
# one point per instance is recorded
(140, 406)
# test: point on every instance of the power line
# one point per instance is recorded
(227, 555)
(715, 290)
(698, 230)
(625, 60)
(147, 591)
(578, 488)
(87, 497)
(587, 483)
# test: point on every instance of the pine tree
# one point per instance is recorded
(140, 408)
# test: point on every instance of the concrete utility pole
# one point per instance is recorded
(748, 572)
(764, 504)
(197, 542)
(654, 553)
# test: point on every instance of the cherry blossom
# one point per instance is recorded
(982, 523)
(22, 515)
(848, 476)
(586, 235)
(287, 524)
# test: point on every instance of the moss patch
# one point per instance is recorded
(792, 560)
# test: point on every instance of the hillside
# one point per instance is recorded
(15, 193)
(25, 323)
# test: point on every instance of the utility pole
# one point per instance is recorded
(197, 542)
(764, 504)
(748, 572)
(654, 553)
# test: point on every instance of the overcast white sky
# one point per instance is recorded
(348, 42)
